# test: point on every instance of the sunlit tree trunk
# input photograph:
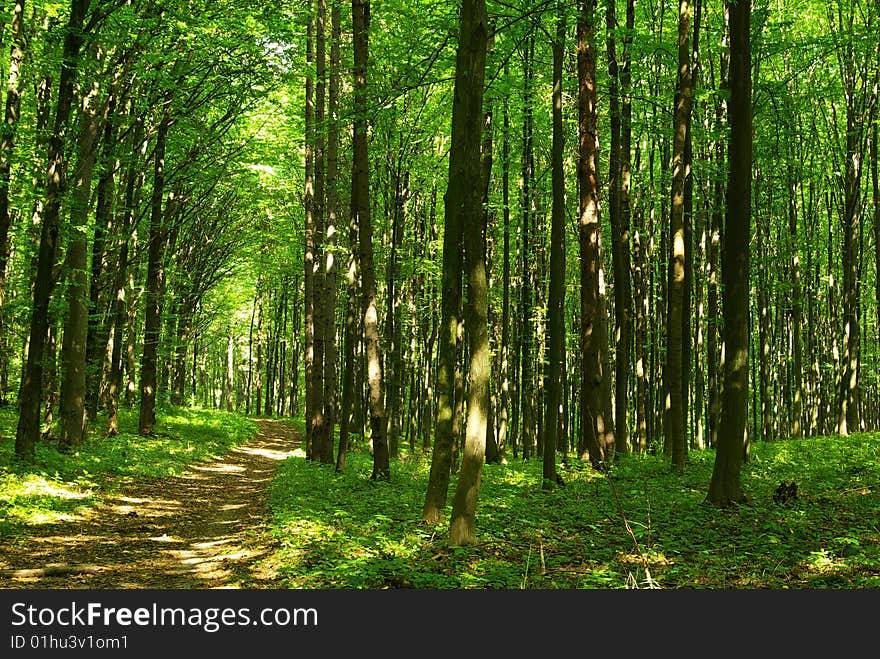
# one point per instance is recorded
(100, 321)
(332, 228)
(319, 432)
(725, 487)
(445, 434)
(674, 421)
(361, 214)
(504, 413)
(309, 246)
(463, 199)
(597, 433)
(74, 416)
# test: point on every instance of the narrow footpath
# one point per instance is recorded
(206, 528)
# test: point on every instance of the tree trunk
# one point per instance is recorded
(74, 416)
(7, 147)
(28, 430)
(464, 198)
(309, 246)
(725, 488)
(330, 349)
(556, 294)
(361, 214)
(596, 442)
(674, 421)
(504, 415)
(620, 258)
(153, 320)
(526, 346)
(320, 435)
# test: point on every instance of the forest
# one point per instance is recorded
(512, 293)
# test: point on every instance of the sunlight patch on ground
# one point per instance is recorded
(221, 467)
(267, 453)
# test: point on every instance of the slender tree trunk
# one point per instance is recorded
(153, 321)
(361, 213)
(330, 349)
(526, 388)
(713, 350)
(504, 415)
(7, 148)
(119, 297)
(620, 258)
(309, 243)
(100, 322)
(346, 419)
(319, 432)
(796, 425)
(725, 487)
(74, 416)
(875, 189)
(674, 421)
(556, 296)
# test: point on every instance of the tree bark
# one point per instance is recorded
(556, 294)
(361, 213)
(725, 488)
(597, 435)
(674, 421)
(28, 430)
(153, 320)
(74, 415)
(463, 199)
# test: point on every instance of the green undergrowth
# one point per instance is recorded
(639, 526)
(60, 485)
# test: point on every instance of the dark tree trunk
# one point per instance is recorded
(330, 348)
(7, 147)
(597, 439)
(674, 420)
(725, 487)
(620, 258)
(556, 296)
(361, 214)
(153, 320)
(74, 416)
(28, 430)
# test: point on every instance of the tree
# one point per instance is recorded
(556, 298)
(29, 396)
(597, 429)
(674, 418)
(463, 200)
(360, 207)
(725, 488)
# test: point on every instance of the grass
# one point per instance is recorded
(59, 485)
(345, 531)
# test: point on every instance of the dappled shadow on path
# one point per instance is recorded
(203, 529)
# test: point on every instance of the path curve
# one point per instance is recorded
(206, 528)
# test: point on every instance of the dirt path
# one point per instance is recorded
(203, 529)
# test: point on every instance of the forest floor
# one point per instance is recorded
(205, 528)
